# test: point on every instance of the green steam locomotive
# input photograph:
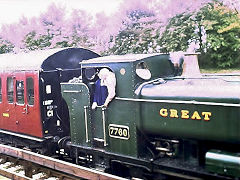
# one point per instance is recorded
(166, 120)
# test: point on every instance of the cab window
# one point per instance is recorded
(10, 89)
(20, 92)
(142, 71)
(30, 91)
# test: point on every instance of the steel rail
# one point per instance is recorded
(12, 175)
(58, 165)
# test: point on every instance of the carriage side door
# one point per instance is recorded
(18, 101)
(12, 111)
(32, 105)
(27, 110)
(8, 115)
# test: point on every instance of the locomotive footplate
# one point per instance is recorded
(183, 169)
(165, 166)
(110, 157)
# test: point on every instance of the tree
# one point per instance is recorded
(159, 26)
(5, 46)
(222, 26)
(179, 33)
(51, 29)
(78, 29)
(139, 33)
(34, 41)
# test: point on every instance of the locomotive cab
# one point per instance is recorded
(130, 70)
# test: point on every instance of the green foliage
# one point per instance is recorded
(222, 27)
(125, 43)
(79, 40)
(139, 35)
(34, 42)
(214, 29)
(179, 33)
(5, 46)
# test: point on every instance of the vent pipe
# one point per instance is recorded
(190, 65)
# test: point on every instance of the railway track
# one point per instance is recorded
(22, 164)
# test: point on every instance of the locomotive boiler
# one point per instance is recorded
(165, 120)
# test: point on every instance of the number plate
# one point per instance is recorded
(119, 131)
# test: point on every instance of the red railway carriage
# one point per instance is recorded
(31, 106)
(20, 107)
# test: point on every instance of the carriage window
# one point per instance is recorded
(30, 91)
(10, 89)
(20, 92)
(0, 90)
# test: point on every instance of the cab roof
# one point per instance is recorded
(119, 58)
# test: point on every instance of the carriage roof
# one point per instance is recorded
(25, 61)
(51, 59)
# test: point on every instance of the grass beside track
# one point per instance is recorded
(216, 71)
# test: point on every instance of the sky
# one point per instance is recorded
(12, 10)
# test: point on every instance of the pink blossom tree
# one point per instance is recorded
(52, 29)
